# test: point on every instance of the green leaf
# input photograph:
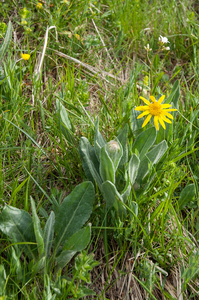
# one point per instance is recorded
(49, 233)
(6, 41)
(38, 266)
(64, 122)
(65, 257)
(2, 279)
(74, 212)
(133, 168)
(17, 224)
(136, 124)
(77, 242)
(18, 189)
(113, 198)
(151, 158)
(16, 263)
(174, 95)
(99, 140)
(126, 192)
(107, 170)
(144, 141)
(37, 229)
(122, 137)
(89, 161)
(187, 195)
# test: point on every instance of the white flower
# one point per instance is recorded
(167, 48)
(147, 48)
(163, 39)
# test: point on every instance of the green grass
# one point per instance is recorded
(95, 65)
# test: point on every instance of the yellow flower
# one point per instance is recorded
(156, 109)
(77, 36)
(25, 56)
(23, 22)
(39, 5)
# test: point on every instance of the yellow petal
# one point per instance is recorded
(171, 109)
(165, 119)
(147, 120)
(161, 99)
(146, 112)
(165, 105)
(168, 115)
(145, 100)
(142, 108)
(162, 122)
(153, 99)
(156, 122)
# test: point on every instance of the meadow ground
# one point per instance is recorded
(96, 202)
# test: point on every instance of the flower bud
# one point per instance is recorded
(113, 149)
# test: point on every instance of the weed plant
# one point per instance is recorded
(73, 78)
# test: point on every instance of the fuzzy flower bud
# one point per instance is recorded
(113, 149)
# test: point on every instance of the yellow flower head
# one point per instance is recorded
(156, 109)
(39, 5)
(25, 56)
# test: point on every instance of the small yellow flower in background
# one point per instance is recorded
(24, 22)
(28, 29)
(77, 36)
(156, 109)
(146, 80)
(39, 5)
(25, 56)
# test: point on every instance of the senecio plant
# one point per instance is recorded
(118, 172)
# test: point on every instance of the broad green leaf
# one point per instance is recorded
(115, 152)
(136, 124)
(99, 140)
(144, 141)
(17, 224)
(64, 122)
(65, 257)
(74, 212)
(37, 229)
(49, 233)
(113, 198)
(126, 192)
(122, 137)
(151, 158)
(107, 170)
(133, 168)
(89, 161)
(16, 263)
(38, 266)
(6, 41)
(187, 195)
(2, 279)
(77, 242)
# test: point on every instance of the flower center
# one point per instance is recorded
(155, 109)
